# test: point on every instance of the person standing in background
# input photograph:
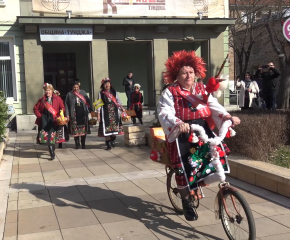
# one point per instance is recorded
(128, 82)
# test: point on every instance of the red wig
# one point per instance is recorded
(180, 59)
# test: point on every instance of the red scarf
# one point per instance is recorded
(82, 98)
(195, 101)
(112, 97)
(49, 108)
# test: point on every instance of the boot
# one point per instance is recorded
(134, 120)
(51, 152)
(113, 138)
(83, 140)
(89, 130)
(77, 142)
(189, 211)
(60, 145)
(108, 145)
(140, 120)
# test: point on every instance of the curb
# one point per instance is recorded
(261, 174)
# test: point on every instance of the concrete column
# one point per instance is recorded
(33, 64)
(100, 64)
(160, 51)
(217, 57)
(150, 81)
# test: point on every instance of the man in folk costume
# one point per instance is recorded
(182, 103)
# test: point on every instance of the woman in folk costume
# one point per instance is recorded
(136, 103)
(181, 104)
(109, 115)
(47, 109)
(77, 107)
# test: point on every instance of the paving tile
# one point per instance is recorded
(27, 168)
(10, 238)
(13, 197)
(282, 219)
(12, 205)
(125, 229)
(27, 187)
(78, 172)
(147, 185)
(96, 192)
(102, 170)
(40, 194)
(34, 203)
(49, 166)
(32, 174)
(24, 161)
(266, 227)
(139, 200)
(51, 235)
(73, 164)
(142, 174)
(124, 167)
(142, 237)
(92, 232)
(269, 209)
(215, 231)
(111, 210)
(129, 192)
(65, 195)
(75, 215)
(120, 185)
(70, 157)
(35, 220)
(11, 216)
(55, 175)
(65, 183)
(30, 179)
(10, 229)
(105, 178)
(285, 236)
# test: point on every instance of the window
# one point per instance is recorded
(2, 3)
(7, 74)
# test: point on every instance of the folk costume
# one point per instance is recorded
(189, 155)
(47, 110)
(136, 103)
(110, 123)
(78, 106)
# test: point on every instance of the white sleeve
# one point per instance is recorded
(166, 115)
(99, 97)
(118, 99)
(239, 84)
(218, 112)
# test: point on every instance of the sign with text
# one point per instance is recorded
(129, 8)
(286, 29)
(65, 34)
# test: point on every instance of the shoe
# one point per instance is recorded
(141, 121)
(108, 145)
(77, 142)
(83, 140)
(134, 120)
(189, 211)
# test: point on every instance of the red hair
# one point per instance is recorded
(180, 59)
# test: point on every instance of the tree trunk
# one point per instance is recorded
(283, 94)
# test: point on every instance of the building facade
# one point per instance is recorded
(66, 40)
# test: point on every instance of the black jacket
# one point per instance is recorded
(126, 83)
(269, 80)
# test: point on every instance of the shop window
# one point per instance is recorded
(7, 74)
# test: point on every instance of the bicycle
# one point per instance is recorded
(229, 204)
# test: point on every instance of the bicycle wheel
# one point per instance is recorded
(239, 224)
(173, 193)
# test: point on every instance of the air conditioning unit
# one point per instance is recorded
(2, 3)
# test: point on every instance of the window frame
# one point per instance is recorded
(11, 41)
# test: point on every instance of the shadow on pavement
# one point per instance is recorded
(156, 217)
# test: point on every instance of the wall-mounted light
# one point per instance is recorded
(69, 12)
(200, 15)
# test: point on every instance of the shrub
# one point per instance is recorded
(260, 133)
(3, 115)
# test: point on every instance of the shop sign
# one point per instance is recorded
(286, 29)
(132, 8)
(66, 34)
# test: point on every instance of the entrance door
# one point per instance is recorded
(63, 67)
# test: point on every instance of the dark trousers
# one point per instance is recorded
(270, 100)
(128, 94)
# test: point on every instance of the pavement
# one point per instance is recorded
(118, 194)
